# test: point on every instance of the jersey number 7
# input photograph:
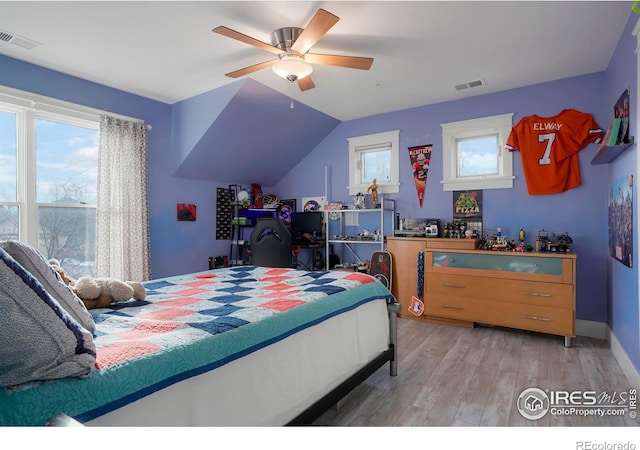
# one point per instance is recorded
(546, 157)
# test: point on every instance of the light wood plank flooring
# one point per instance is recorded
(453, 376)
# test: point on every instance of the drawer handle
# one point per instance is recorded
(544, 319)
(537, 294)
(457, 286)
(451, 306)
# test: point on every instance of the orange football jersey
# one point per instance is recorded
(549, 149)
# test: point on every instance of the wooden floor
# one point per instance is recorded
(453, 376)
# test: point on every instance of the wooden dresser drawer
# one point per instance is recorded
(524, 316)
(506, 265)
(557, 295)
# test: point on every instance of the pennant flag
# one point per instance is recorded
(420, 157)
(416, 307)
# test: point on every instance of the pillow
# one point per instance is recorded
(33, 261)
(39, 340)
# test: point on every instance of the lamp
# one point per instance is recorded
(292, 67)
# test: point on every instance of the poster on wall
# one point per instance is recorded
(467, 204)
(285, 209)
(621, 220)
(186, 212)
(223, 213)
(420, 157)
(313, 204)
(467, 210)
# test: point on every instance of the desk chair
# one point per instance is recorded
(270, 243)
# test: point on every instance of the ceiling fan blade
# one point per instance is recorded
(352, 62)
(228, 32)
(250, 69)
(319, 24)
(306, 83)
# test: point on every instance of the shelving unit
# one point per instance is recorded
(385, 225)
(606, 153)
(243, 219)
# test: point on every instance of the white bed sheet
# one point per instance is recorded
(271, 386)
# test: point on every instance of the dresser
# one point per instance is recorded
(465, 286)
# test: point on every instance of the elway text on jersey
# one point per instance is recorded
(547, 126)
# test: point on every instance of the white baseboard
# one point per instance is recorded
(625, 363)
(600, 330)
(589, 328)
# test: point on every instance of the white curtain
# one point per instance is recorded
(122, 217)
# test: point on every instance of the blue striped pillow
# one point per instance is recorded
(39, 339)
(33, 261)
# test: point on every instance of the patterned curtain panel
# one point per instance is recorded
(122, 217)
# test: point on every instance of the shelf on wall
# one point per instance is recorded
(608, 153)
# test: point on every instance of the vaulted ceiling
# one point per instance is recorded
(165, 50)
(424, 52)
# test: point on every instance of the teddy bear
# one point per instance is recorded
(58, 268)
(100, 292)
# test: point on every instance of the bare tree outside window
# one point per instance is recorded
(68, 233)
(66, 189)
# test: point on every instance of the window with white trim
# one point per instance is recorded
(474, 155)
(49, 179)
(375, 156)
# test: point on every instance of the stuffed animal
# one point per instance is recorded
(101, 292)
(58, 268)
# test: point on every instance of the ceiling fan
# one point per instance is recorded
(292, 45)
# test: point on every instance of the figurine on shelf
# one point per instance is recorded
(373, 188)
(358, 201)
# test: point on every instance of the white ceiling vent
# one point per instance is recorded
(469, 85)
(20, 41)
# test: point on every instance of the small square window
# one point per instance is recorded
(375, 156)
(474, 156)
(477, 156)
(376, 164)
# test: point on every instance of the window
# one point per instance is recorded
(474, 156)
(374, 156)
(48, 179)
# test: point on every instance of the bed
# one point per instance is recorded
(239, 346)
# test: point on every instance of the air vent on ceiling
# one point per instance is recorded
(20, 41)
(470, 84)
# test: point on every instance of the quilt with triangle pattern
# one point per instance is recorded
(189, 324)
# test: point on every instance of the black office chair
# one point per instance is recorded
(270, 243)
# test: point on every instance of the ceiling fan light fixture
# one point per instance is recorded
(292, 67)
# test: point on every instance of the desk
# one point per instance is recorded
(315, 260)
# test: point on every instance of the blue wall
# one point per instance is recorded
(176, 247)
(607, 291)
(623, 281)
(581, 211)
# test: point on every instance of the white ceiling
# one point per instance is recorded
(165, 50)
